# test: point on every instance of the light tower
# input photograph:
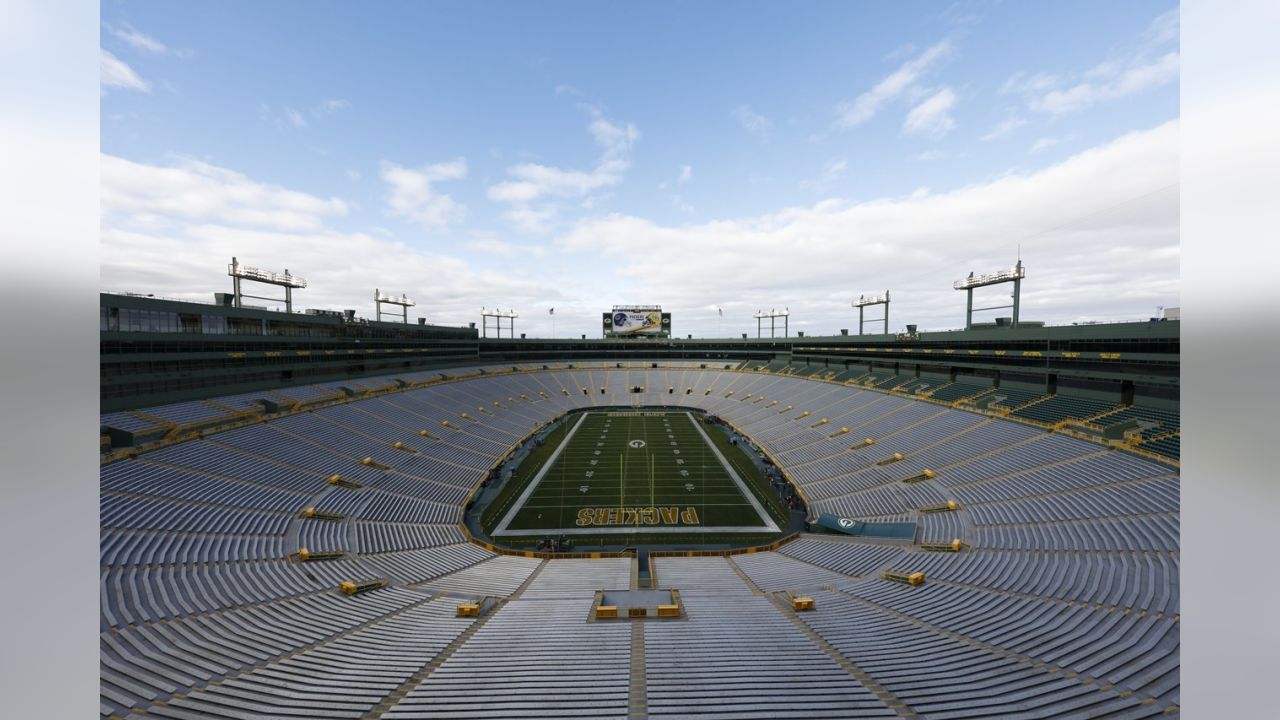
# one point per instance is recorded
(240, 272)
(785, 314)
(379, 299)
(1013, 275)
(497, 316)
(864, 301)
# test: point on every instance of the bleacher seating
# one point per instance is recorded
(959, 390)
(740, 656)
(1163, 420)
(1064, 601)
(936, 673)
(1061, 407)
(1167, 445)
(894, 381)
(530, 659)
(1009, 398)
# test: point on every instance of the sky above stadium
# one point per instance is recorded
(697, 155)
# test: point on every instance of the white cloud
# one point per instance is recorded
(1151, 63)
(534, 220)
(965, 12)
(1045, 143)
(548, 186)
(533, 181)
(1104, 214)
(1163, 29)
(141, 41)
(411, 193)
(832, 171)
(684, 177)
(932, 117)
(329, 107)
(866, 105)
(171, 230)
(615, 139)
(284, 118)
(494, 248)
(1104, 217)
(117, 74)
(191, 191)
(1004, 127)
(1113, 83)
(835, 169)
(290, 117)
(295, 118)
(754, 123)
(1021, 82)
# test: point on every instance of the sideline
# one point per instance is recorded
(519, 504)
(742, 486)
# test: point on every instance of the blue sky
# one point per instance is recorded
(697, 155)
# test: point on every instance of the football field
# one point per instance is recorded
(629, 472)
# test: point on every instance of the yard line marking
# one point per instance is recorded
(742, 486)
(542, 471)
(728, 490)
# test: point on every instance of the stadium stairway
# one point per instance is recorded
(963, 678)
(1087, 644)
(393, 698)
(882, 693)
(175, 681)
(638, 679)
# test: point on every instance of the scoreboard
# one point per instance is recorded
(636, 321)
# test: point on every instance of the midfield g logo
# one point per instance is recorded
(637, 444)
(846, 523)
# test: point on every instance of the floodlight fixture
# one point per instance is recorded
(867, 300)
(498, 316)
(773, 315)
(380, 298)
(1014, 275)
(240, 273)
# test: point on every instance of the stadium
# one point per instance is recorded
(589, 408)
(324, 516)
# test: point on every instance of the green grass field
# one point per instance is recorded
(609, 473)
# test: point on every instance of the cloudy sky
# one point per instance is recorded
(697, 155)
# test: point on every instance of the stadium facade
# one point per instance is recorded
(284, 496)
(156, 351)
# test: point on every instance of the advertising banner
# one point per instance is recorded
(622, 322)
